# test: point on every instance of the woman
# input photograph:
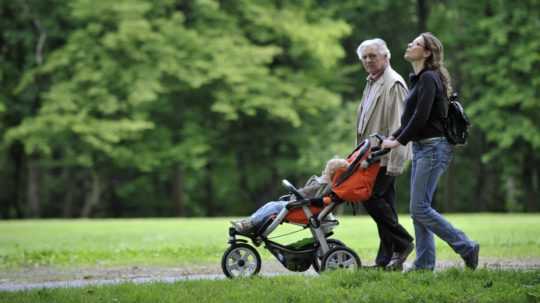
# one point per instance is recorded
(422, 123)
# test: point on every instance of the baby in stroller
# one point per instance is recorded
(340, 182)
(316, 186)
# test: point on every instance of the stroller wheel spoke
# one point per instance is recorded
(341, 258)
(233, 267)
(245, 258)
(333, 264)
(235, 256)
(348, 263)
(251, 267)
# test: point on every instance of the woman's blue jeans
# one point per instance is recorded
(431, 158)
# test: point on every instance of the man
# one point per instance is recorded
(379, 112)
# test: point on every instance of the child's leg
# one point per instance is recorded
(267, 210)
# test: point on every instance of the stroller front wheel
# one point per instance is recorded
(240, 260)
(340, 258)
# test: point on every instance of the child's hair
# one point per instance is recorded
(331, 167)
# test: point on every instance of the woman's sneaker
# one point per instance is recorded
(471, 260)
(243, 225)
(413, 268)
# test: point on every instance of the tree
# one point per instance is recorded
(137, 85)
(28, 36)
(498, 59)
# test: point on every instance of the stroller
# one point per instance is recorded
(352, 185)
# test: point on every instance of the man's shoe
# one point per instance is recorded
(399, 258)
(471, 260)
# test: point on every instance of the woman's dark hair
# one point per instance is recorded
(436, 60)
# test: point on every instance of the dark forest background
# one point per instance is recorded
(199, 108)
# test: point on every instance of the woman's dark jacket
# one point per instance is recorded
(426, 107)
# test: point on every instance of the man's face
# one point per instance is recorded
(372, 60)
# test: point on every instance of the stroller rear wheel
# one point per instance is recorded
(340, 257)
(316, 264)
(240, 260)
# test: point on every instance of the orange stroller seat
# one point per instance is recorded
(298, 216)
(353, 184)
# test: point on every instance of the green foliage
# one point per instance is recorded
(152, 87)
(496, 55)
(217, 101)
(508, 106)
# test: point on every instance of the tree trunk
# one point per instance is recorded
(33, 195)
(69, 186)
(481, 178)
(178, 191)
(243, 174)
(423, 15)
(533, 195)
(530, 181)
(16, 152)
(116, 207)
(93, 196)
(268, 191)
(209, 189)
(512, 194)
(480, 175)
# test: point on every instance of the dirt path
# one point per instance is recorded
(48, 277)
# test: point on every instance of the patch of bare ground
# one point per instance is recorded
(50, 277)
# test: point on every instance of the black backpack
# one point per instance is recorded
(457, 123)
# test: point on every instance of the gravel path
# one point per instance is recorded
(48, 277)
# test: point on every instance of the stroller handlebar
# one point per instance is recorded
(374, 157)
(377, 152)
(378, 137)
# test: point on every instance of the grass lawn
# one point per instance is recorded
(362, 286)
(202, 241)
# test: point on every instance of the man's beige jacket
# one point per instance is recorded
(383, 116)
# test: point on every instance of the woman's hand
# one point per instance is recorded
(390, 143)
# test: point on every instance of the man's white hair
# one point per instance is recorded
(378, 42)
